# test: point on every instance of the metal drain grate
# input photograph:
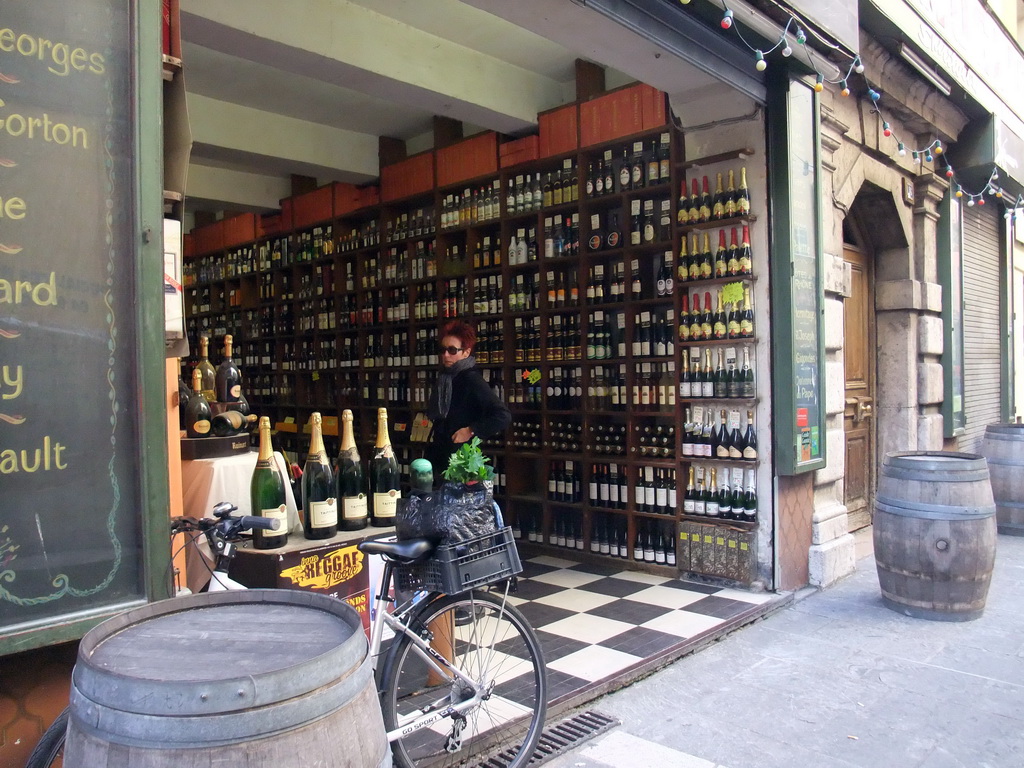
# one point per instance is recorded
(559, 738)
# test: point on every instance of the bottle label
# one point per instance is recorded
(277, 513)
(235, 392)
(750, 453)
(386, 504)
(201, 427)
(323, 514)
(354, 507)
(688, 507)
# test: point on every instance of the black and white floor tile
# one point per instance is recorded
(597, 622)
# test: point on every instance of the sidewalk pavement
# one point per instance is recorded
(834, 680)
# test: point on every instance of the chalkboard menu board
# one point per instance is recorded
(797, 293)
(70, 499)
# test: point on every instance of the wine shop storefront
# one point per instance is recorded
(663, 353)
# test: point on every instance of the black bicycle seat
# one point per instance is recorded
(407, 552)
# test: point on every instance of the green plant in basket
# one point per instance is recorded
(469, 465)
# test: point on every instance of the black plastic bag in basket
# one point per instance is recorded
(455, 512)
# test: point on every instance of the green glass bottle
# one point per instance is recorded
(266, 493)
(351, 488)
(318, 488)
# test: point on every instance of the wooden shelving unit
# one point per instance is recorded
(345, 313)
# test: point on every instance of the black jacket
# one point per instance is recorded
(474, 405)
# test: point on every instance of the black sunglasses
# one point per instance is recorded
(449, 350)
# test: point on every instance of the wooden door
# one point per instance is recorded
(859, 416)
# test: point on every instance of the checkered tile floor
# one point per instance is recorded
(597, 622)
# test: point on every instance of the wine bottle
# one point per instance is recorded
(694, 272)
(736, 442)
(693, 215)
(205, 367)
(711, 495)
(747, 316)
(724, 440)
(718, 204)
(732, 265)
(683, 270)
(184, 393)
(750, 499)
(700, 499)
(266, 493)
(384, 480)
(228, 379)
(724, 497)
(696, 332)
(197, 412)
(685, 381)
(318, 487)
(750, 439)
(705, 202)
(351, 488)
(683, 206)
(743, 195)
(730, 196)
(614, 237)
(596, 241)
(746, 386)
(720, 323)
(721, 256)
(706, 260)
(228, 423)
(744, 258)
(684, 318)
(707, 320)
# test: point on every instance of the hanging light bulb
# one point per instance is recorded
(787, 51)
(928, 156)
(886, 130)
(902, 150)
(819, 84)
(949, 172)
(874, 95)
(938, 147)
(970, 201)
(917, 156)
(684, 2)
(999, 194)
(858, 66)
(981, 200)
(761, 64)
(845, 89)
(727, 19)
(959, 191)
(801, 36)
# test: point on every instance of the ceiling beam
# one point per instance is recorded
(349, 45)
(222, 188)
(223, 132)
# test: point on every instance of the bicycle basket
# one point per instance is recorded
(464, 565)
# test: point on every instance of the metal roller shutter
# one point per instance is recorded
(982, 315)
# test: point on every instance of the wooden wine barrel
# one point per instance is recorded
(251, 679)
(1003, 446)
(935, 534)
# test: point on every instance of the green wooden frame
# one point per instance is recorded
(147, 107)
(797, 361)
(950, 241)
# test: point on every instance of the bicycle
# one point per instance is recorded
(464, 675)
(222, 533)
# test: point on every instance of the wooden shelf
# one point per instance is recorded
(335, 387)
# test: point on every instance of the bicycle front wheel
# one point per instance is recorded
(492, 643)
(49, 752)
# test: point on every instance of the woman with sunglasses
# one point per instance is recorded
(463, 405)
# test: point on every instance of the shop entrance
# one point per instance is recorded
(859, 363)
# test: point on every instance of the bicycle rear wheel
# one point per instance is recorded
(50, 749)
(492, 643)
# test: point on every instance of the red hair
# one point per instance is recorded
(462, 331)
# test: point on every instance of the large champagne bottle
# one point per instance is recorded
(318, 488)
(184, 394)
(228, 423)
(197, 412)
(205, 367)
(266, 493)
(351, 490)
(228, 378)
(384, 480)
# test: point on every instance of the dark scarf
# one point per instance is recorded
(441, 399)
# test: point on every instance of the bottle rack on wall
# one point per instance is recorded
(578, 332)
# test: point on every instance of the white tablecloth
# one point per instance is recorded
(207, 482)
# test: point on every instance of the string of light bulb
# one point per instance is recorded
(926, 154)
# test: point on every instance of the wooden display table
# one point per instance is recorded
(330, 566)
